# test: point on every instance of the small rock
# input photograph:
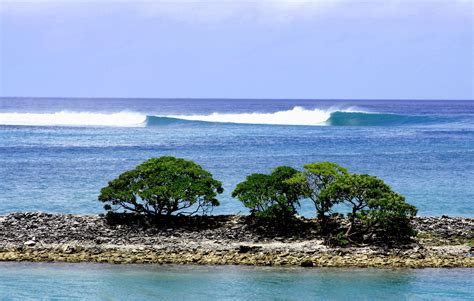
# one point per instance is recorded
(29, 243)
(306, 263)
(69, 249)
(246, 249)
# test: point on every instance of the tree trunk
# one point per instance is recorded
(351, 222)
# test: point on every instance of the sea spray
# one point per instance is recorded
(296, 116)
(64, 118)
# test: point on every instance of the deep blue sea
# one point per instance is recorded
(56, 154)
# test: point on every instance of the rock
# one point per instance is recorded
(29, 243)
(68, 249)
(307, 263)
(247, 249)
(219, 240)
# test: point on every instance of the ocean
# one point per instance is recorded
(56, 153)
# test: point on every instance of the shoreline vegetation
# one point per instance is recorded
(152, 218)
(222, 240)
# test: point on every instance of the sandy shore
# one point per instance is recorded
(441, 242)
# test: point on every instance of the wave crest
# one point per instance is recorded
(295, 116)
(121, 119)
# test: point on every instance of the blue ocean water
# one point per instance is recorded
(138, 282)
(56, 154)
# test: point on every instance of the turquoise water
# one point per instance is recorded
(56, 154)
(142, 282)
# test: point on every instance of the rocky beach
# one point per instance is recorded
(43, 237)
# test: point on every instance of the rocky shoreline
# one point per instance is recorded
(35, 236)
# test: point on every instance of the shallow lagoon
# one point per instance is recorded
(169, 282)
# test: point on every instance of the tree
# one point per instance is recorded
(313, 180)
(287, 193)
(388, 218)
(256, 192)
(372, 202)
(162, 186)
(355, 190)
(269, 196)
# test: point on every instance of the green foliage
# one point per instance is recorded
(339, 240)
(313, 180)
(356, 190)
(388, 217)
(169, 185)
(160, 186)
(288, 193)
(375, 208)
(256, 192)
(270, 196)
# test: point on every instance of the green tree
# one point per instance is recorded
(287, 193)
(270, 195)
(313, 180)
(388, 218)
(162, 186)
(372, 203)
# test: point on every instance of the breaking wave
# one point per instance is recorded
(295, 116)
(300, 116)
(121, 119)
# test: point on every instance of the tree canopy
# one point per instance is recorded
(168, 185)
(314, 179)
(162, 186)
(373, 204)
(270, 195)
(375, 210)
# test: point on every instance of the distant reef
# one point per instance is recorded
(231, 239)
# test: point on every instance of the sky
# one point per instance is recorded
(320, 49)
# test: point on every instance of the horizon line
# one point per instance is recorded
(235, 98)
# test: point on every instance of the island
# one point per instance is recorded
(151, 217)
(42, 237)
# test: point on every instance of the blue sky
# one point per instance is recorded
(322, 49)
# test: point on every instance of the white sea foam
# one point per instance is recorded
(121, 119)
(295, 116)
